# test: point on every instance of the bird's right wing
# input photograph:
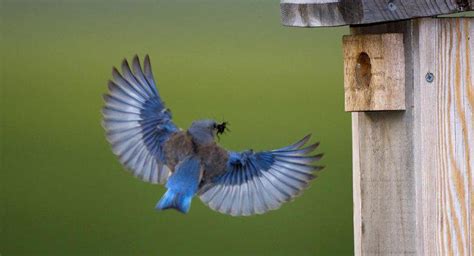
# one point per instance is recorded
(136, 121)
(254, 183)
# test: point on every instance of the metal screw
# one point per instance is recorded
(392, 6)
(429, 77)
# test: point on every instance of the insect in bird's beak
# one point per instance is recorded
(221, 128)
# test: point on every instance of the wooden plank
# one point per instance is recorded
(323, 13)
(383, 178)
(374, 72)
(356, 186)
(444, 153)
(414, 170)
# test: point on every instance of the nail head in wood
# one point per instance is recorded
(429, 77)
(374, 72)
(392, 6)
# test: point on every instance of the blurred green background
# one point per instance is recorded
(63, 192)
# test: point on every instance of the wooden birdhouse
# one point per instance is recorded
(408, 82)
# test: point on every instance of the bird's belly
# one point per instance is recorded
(214, 160)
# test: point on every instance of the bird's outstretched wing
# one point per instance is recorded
(136, 121)
(254, 183)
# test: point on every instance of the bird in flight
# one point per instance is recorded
(190, 162)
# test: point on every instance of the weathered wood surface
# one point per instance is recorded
(374, 72)
(444, 132)
(322, 13)
(383, 177)
(414, 170)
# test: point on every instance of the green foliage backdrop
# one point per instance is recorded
(64, 193)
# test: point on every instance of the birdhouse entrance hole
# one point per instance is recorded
(363, 70)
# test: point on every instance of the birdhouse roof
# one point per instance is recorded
(326, 13)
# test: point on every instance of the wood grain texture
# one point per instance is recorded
(383, 177)
(310, 1)
(444, 154)
(374, 72)
(323, 13)
(413, 170)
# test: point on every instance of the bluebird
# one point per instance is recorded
(190, 162)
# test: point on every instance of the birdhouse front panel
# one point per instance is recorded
(374, 72)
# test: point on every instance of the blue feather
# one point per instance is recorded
(256, 182)
(136, 121)
(175, 200)
(182, 185)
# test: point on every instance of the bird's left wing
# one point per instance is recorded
(254, 183)
(136, 121)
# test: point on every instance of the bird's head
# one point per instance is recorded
(205, 131)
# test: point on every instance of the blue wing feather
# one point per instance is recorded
(136, 121)
(254, 183)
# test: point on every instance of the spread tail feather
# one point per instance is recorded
(182, 185)
(175, 200)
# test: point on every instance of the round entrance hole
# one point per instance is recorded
(363, 70)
